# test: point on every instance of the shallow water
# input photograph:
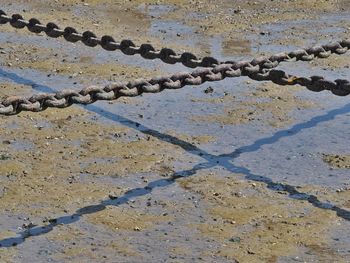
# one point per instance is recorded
(291, 155)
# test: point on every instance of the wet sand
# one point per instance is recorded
(88, 184)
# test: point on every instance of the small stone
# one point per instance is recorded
(232, 222)
(235, 239)
(28, 225)
(112, 197)
(209, 90)
(52, 221)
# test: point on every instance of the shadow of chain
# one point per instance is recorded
(211, 161)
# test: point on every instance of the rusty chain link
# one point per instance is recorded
(260, 69)
(147, 51)
(167, 55)
(14, 105)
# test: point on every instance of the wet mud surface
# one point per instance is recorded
(234, 171)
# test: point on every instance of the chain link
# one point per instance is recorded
(14, 105)
(167, 55)
(90, 39)
(260, 69)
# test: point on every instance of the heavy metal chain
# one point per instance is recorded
(260, 69)
(63, 99)
(167, 55)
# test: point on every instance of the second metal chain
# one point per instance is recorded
(14, 105)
